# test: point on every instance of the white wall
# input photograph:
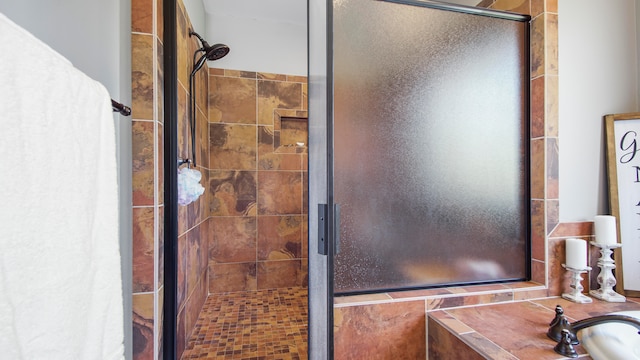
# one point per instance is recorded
(197, 15)
(262, 45)
(598, 75)
(95, 35)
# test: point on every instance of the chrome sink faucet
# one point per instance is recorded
(564, 332)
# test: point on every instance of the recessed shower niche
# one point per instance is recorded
(293, 133)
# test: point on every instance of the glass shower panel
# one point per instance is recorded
(430, 147)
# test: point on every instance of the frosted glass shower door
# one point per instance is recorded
(430, 146)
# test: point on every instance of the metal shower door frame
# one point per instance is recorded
(322, 208)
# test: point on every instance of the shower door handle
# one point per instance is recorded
(324, 230)
(323, 241)
(336, 228)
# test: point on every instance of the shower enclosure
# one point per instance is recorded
(419, 153)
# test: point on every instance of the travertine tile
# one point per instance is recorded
(559, 278)
(233, 193)
(538, 238)
(538, 107)
(232, 277)
(182, 271)
(266, 324)
(274, 95)
(233, 146)
(575, 311)
(143, 323)
(380, 331)
(551, 105)
(183, 50)
(537, 168)
(450, 322)
(573, 229)
(279, 237)
(522, 328)
(537, 46)
(517, 6)
(551, 5)
(142, 76)
(160, 19)
(194, 257)
(234, 239)
(445, 345)
(279, 193)
(142, 16)
(361, 298)
(551, 44)
(160, 257)
(278, 274)
(553, 168)
(538, 272)
(143, 256)
(553, 214)
(232, 100)
(143, 162)
(160, 164)
(537, 7)
(269, 76)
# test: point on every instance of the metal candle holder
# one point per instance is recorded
(606, 279)
(576, 294)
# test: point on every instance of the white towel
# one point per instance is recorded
(60, 278)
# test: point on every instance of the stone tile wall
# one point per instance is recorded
(148, 202)
(148, 187)
(257, 181)
(194, 222)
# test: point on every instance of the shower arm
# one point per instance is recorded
(202, 41)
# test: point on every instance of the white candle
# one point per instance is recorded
(576, 254)
(605, 229)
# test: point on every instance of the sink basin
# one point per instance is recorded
(612, 341)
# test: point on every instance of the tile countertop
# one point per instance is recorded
(518, 330)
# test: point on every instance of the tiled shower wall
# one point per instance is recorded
(258, 180)
(148, 186)
(147, 144)
(194, 230)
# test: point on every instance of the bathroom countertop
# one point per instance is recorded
(517, 330)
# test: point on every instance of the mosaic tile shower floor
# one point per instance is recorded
(265, 324)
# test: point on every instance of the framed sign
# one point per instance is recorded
(623, 170)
